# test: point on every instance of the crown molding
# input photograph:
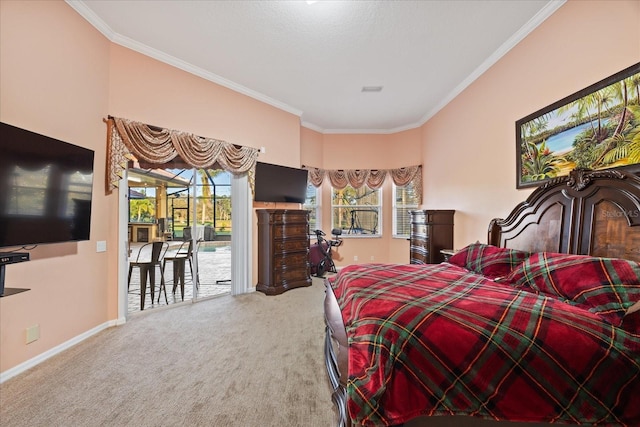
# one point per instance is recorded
(527, 28)
(79, 6)
(371, 131)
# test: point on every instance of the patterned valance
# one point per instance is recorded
(158, 146)
(373, 178)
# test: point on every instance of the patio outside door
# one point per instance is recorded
(178, 206)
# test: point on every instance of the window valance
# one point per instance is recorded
(158, 146)
(373, 178)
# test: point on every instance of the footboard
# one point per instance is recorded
(335, 354)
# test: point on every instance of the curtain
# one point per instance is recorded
(158, 146)
(373, 178)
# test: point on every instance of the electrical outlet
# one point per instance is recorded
(32, 333)
(101, 246)
(372, 257)
(355, 257)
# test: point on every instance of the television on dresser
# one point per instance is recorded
(45, 189)
(275, 183)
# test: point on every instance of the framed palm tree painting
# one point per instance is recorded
(595, 128)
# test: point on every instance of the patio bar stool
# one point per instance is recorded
(149, 257)
(179, 259)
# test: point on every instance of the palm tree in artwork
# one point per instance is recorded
(581, 110)
(620, 93)
(601, 139)
(628, 141)
(596, 100)
(633, 83)
(534, 127)
(634, 135)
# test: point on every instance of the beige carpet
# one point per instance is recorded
(251, 360)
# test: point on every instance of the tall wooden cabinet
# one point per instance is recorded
(431, 232)
(283, 250)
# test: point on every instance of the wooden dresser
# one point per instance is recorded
(431, 232)
(283, 249)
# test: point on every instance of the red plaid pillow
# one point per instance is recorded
(490, 261)
(606, 286)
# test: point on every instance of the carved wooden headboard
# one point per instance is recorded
(588, 213)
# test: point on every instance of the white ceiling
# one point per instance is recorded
(313, 59)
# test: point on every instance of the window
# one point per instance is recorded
(357, 210)
(312, 204)
(404, 200)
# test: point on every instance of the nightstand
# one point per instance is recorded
(447, 253)
(431, 232)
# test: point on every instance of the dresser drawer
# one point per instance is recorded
(418, 216)
(290, 230)
(419, 251)
(420, 230)
(289, 218)
(290, 274)
(294, 245)
(418, 242)
(294, 260)
(419, 255)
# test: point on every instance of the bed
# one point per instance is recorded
(541, 324)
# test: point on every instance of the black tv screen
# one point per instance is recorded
(275, 183)
(45, 189)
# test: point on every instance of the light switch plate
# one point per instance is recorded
(101, 246)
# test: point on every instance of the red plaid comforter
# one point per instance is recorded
(440, 340)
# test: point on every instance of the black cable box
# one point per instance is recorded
(13, 257)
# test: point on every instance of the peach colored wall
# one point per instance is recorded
(360, 151)
(146, 90)
(62, 83)
(370, 151)
(53, 80)
(469, 146)
(153, 92)
(311, 149)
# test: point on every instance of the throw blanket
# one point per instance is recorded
(441, 340)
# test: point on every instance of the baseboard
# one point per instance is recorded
(16, 370)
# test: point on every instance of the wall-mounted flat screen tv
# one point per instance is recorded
(275, 183)
(45, 189)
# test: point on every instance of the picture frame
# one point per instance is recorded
(595, 128)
